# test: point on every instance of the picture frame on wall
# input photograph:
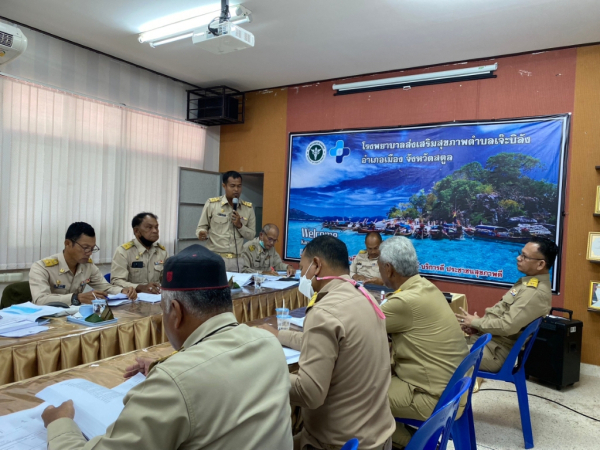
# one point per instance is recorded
(597, 204)
(594, 300)
(593, 248)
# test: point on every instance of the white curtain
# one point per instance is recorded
(66, 158)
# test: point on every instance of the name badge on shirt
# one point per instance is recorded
(222, 215)
(59, 286)
(137, 264)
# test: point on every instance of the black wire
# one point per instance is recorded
(544, 398)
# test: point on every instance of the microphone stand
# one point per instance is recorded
(237, 259)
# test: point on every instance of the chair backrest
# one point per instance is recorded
(107, 277)
(471, 361)
(352, 444)
(438, 425)
(518, 352)
(15, 294)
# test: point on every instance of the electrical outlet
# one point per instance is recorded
(11, 277)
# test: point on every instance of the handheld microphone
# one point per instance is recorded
(235, 201)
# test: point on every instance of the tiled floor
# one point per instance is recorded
(498, 424)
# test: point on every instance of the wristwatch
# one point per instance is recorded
(75, 301)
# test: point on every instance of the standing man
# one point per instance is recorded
(364, 267)
(344, 372)
(529, 298)
(224, 228)
(427, 344)
(139, 263)
(259, 255)
(199, 397)
(63, 277)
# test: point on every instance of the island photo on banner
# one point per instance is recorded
(468, 194)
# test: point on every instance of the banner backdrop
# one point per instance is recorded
(468, 194)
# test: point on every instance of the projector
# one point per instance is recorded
(229, 38)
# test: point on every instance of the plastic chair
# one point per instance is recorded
(513, 371)
(107, 277)
(463, 429)
(352, 444)
(435, 431)
(15, 293)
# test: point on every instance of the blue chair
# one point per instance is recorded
(107, 277)
(463, 429)
(513, 371)
(435, 431)
(352, 444)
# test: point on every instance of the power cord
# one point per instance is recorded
(544, 398)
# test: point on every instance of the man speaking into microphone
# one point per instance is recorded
(226, 221)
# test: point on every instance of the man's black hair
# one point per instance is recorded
(547, 248)
(76, 229)
(330, 249)
(231, 174)
(139, 218)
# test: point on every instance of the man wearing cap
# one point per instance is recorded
(259, 255)
(342, 383)
(225, 388)
(226, 221)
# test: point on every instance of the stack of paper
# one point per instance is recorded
(243, 279)
(148, 298)
(274, 284)
(298, 321)
(25, 319)
(292, 356)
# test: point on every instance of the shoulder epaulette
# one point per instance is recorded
(248, 204)
(251, 248)
(90, 261)
(127, 245)
(533, 282)
(162, 247)
(362, 252)
(214, 199)
(49, 262)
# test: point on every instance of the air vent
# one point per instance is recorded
(6, 39)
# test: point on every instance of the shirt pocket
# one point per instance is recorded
(221, 220)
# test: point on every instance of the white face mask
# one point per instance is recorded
(305, 285)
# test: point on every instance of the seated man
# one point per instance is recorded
(341, 385)
(364, 267)
(225, 388)
(427, 343)
(63, 277)
(139, 263)
(259, 255)
(529, 298)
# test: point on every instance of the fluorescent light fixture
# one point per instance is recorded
(184, 28)
(448, 76)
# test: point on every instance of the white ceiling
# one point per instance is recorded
(308, 40)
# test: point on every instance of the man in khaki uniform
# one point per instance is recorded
(224, 228)
(259, 255)
(427, 343)
(341, 385)
(225, 388)
(139, 263)
(63, 277)
(364, 267)
(529, 298)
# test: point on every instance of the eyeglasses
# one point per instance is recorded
(94, 249)
(272, 241)
(522, 255)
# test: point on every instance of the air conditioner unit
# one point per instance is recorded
(12, 43)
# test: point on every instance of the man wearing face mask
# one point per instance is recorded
(225, 388)
(139, 263)
(344, 372)
(259, 255)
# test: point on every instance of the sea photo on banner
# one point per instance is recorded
(468, 194)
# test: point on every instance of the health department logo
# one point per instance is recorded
(315, 152)
(339, 151)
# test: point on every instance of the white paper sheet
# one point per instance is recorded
(31, 311)
(132, 382)
(118, 302)
(149, 298)
(96, 407)
(279, 284)
(119, 296)
(298, 321)
(24, 430)
(240, 278)
(24, 331)
(292, 356)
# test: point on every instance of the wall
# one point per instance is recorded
(541, 83)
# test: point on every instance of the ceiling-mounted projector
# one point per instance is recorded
(12, 43)
(224, 38)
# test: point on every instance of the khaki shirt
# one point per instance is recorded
(344, 372)
(51, 280)
(427, 342)
(216, 218)
(528, 299)
(122, 272)
(364, 266)
(229, 391)
(257, 259)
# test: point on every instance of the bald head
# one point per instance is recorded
(372, 243)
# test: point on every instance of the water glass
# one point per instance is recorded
(282, 311)
(258, 281)
(283, 322)
(98, 306)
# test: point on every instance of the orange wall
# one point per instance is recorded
(551, 82)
